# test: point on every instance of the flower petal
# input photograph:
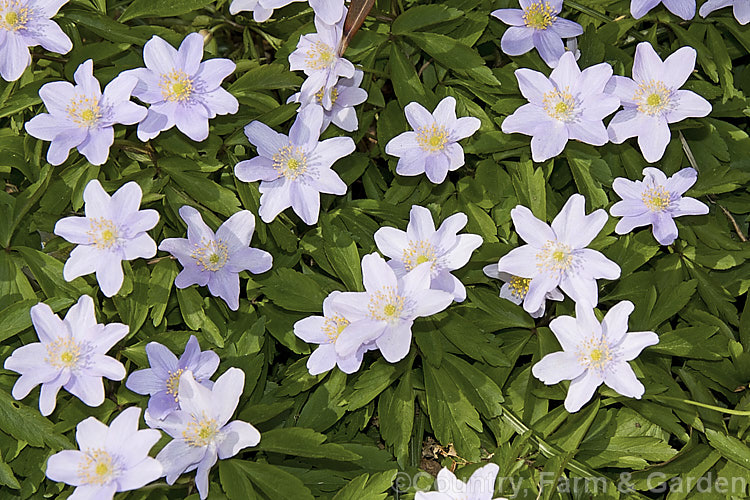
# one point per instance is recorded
(557, 366)
(581, 390)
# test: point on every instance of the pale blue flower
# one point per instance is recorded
(740, 9)
(343, 97)
(319, 57)
(71, 355)
(112, 458)
(201, 429)
(443, 248)
(681, 8)
(162, 380)
(261, 9)
(655, 201)
(515, 289)
(385, 312)
(570, 104)
(557, 256)
(326, 330)
(182, 90)
(594, 353)
(294, 169)
(329, 11)
(432, 148)
(536, 25)
(480, 486)
(113, 230)
(652, 100)
(24, 24)
(217, 259)
(83, 117)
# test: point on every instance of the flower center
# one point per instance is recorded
(320, 56)
(176, 86)
(320, 94)
(418, 253)
(432, 138)
(594, 353)
(64, 353)
(560, 105)
(334, 325)
(173, 383)
(13, 15)
(519, 286)
(98, 468)
(290, 161)
(84, 111)
(653, 98)
(657, 199)
(200, 432)
(211, 256)
(556, 258)
(386, 304)
(103, 233)
(539, 15)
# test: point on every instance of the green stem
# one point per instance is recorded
(729, 411)
(602, 17)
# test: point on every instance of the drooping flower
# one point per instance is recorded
(432, 148)
(318, 56)
(680, 8)
(385, 312)
(515, 289)
(326, 330)
(294, 169)
(24, 24)
(329, 11)
(557, 256)
(571, 104)
(593, 353)
(344, 96)
(261, 9)
(536, 24)
(445, 250)
(71, 354)
(651, 100)
(217, 259)
(201, 428)
(655, 201)
(480, 486)
(111, 458)
(162, 380)
(113, 230)
(82, 116)
(740, 8)
(182, 90)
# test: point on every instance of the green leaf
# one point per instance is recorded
(422, 16)
(449, 52)
(28, 425)
(730, 447)
(162, 8)
(301, 442)
(294, 291)
(368, 487)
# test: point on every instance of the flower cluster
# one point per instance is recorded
(415, 283)
(180, 89)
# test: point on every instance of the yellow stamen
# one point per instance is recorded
(176, 86)
(560, 105)
(211, 255)
(594, 353)
(290, 161)
(653, 97)
(200, 432)
(103, 233)
(320, 56)
(64, 353)
(519, 286)
(84, 111)
(14, 16)
(555, 258)
(418, 252)
(432, 138)
(657, 199)
(539, 15)
(386, 304)
(334, 325)
(173, 383)
(97, 468)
